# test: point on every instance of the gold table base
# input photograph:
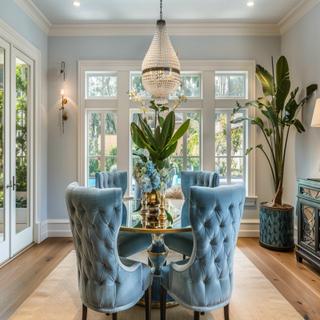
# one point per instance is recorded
(156, 305)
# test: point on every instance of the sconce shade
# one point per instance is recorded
(316, 115)
(62, 91)
(161, 66)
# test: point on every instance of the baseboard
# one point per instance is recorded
(53, 228)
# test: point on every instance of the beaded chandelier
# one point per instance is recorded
(161, 66)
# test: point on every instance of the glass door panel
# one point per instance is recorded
(21, 218)
(4, 154)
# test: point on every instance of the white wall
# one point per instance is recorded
(62, 151)
(11, 14)
(301, 46)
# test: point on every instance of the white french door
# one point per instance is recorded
(16, 156)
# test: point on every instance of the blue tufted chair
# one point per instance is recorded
(129, 243)
(183, 242)
(205, 281)
(107, 283)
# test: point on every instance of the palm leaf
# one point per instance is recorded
(266, 80)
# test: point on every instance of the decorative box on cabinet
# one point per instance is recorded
(308, 211)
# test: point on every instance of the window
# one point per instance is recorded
(184, 158)
(191, 85)
(230, 146)
(101, 85)
(102, 148)
(230, 85)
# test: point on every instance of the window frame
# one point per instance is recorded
(185, 112)
(103, 155)
(228, 156)
(182, 74)
(230, 74)
(103, 74)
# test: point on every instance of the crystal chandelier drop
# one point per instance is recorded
(161, 66)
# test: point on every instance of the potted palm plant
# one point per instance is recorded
(279, 110)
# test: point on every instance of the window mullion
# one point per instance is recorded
(103, 142)
(228, 147)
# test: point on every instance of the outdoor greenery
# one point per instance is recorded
(221, 145)
(102, 86)
(94, 134)
(229, 86)
(280, 116)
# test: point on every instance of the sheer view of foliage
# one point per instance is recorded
(221, 146)
(102, 86)
(191, 86)
(94, 136)
(229, 86)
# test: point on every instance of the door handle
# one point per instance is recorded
(14, 184)
(9, 185)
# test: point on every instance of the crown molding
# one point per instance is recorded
(181, 29)
(35, 14)
(301, 9)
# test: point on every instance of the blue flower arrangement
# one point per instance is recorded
(149, 178)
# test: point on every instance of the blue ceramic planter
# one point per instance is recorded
(276, 228)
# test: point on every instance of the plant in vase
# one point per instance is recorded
(276, 218)
(152, 173)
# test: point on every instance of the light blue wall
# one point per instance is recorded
(62, 151)
(301, 46)
(11, 14)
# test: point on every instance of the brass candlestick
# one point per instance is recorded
(144, 211)
(153, 207)
(162, 217)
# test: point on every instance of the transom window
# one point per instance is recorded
(184, 158)
(102, 148)
(101, 85)
(230, 85)
(230, 146)
(191, 85)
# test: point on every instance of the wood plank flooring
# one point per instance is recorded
(298, 283)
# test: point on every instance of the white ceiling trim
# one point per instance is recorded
(181, 29)
(35, 14)
(301, 9)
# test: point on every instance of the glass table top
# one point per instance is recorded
(173, 206)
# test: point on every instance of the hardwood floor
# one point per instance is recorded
(298, 283)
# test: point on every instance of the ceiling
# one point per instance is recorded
(174, 11)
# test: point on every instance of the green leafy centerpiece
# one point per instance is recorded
(152, 173)
(280, 115)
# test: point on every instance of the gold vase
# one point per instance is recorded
(153, 202)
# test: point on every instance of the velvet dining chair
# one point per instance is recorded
(129, 243)
(205, 281)
(183, 242)
(107, 283)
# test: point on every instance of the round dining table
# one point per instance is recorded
(158, 251)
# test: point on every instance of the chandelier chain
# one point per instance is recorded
(160, 9)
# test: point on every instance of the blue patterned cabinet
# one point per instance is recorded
(308, 211)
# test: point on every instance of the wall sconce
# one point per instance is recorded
(64, 112)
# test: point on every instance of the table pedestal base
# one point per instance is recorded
(157, 253)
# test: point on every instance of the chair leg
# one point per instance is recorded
(184, 256)
(84, 312)
(163, 301)
(114, 316)
(149, 263)
(196, 315)
(147, 298)
(202, 313)
(226, 312)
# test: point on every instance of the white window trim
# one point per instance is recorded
(207, 104)
(17, 41)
